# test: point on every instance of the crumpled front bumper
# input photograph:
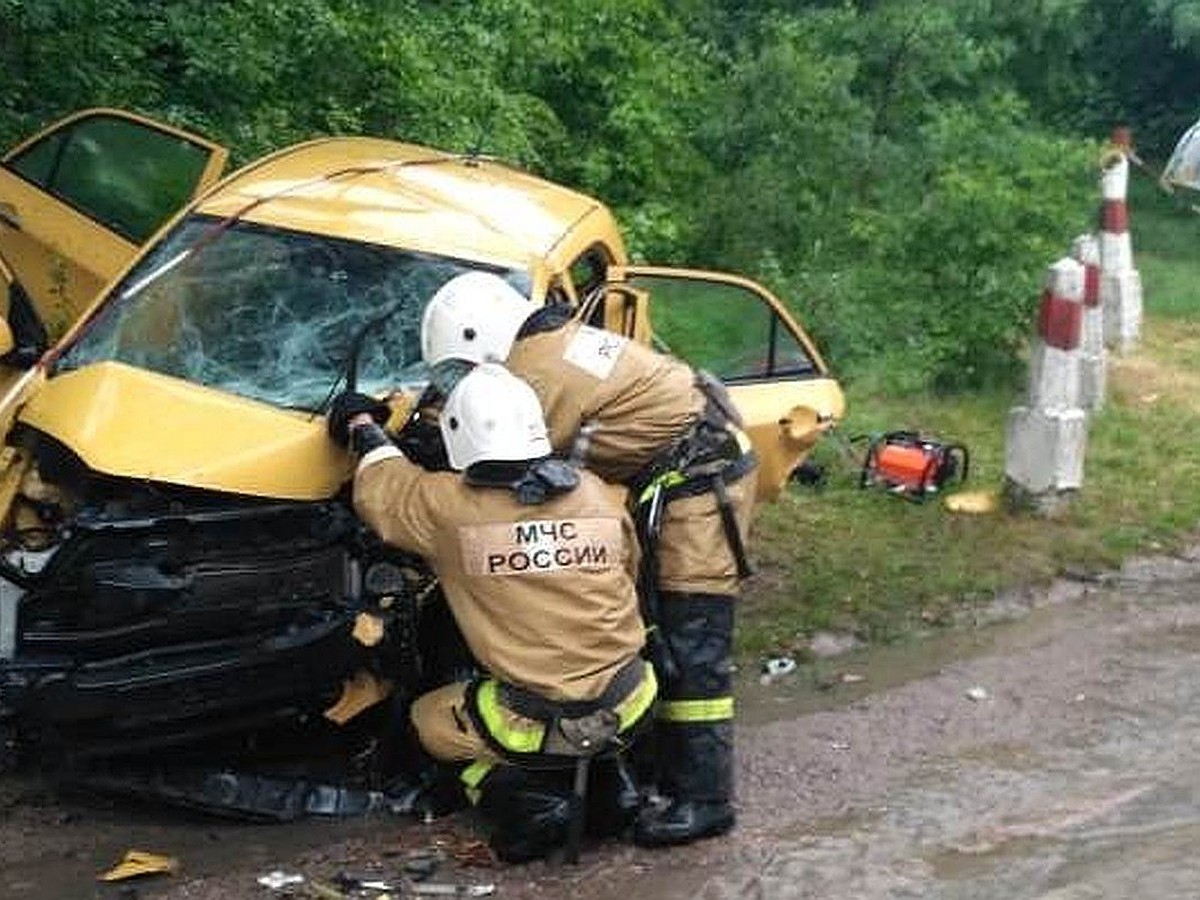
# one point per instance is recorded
(146, 632)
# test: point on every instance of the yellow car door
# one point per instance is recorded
(78, 199)
(737, 330)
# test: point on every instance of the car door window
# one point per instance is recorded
(589, 268)
(37, 163)
(128, 176)
(587, 272)
(724, 328)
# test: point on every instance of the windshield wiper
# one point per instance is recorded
(349, 374)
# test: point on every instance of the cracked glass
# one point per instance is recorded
(271, 314)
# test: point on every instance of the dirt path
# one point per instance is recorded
(1073, 773)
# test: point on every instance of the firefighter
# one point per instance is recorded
(537, 562)
(670, 435)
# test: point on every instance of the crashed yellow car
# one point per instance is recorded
(178, 562)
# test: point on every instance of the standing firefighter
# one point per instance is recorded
(537, 562)
(670, 435)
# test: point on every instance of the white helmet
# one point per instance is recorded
(474, 316)
(493, 416)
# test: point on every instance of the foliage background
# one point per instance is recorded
(900, 170)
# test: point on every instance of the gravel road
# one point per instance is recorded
(1054, 756)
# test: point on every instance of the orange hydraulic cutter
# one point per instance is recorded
(911, 465)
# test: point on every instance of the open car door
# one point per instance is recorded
(738, 331)
(78, 199)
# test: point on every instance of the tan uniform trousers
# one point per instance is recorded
(446, 729)
(694, 555)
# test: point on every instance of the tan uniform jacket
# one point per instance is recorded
(635, 400)
(638, 402)
(544, 594)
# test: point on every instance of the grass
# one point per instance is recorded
(868, 563)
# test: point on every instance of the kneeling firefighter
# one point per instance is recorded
(671, 436)
(538, 563)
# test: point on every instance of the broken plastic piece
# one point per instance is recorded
(368, 629)
(244, 795)
(278, 880)
(359, 692)
(975, 502)
(443, 889)
(357, 882)
(779, 665)
(138, 862)
(422, 866)
(401, 403)
(330, 800)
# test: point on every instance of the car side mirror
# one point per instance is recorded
(803, 427)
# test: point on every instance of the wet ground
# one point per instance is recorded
(1056, 756)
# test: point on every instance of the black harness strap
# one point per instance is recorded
(733, 534)
(648, 519)
(532, 705)
(550, 712)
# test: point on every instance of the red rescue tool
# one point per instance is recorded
(911, 465)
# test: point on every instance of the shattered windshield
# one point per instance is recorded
(270, 314)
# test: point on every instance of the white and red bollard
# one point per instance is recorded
(1120, 283)
(1093, 365)
(1054, 365)
(1046, 438)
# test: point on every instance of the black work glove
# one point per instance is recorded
(346, 406)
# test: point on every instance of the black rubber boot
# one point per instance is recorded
(416, 783)
(684, 821)
(527, 812)
(697, 778)
(433, 792)
(613, 798)
(693, 738)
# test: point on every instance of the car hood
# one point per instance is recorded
(128, 422)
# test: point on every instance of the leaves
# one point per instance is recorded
(900, 170)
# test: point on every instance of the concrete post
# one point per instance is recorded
(1054, 363)
(1046, 438)
(1120, 283)
(1093, 364)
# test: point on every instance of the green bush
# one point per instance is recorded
(959, 254)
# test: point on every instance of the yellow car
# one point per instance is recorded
(177, 559)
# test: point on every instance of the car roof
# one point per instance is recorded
(405, 195)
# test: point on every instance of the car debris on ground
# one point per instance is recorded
(138, 863)
(278, 880)
(777, 667)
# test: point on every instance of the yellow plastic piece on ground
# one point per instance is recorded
(138, 862)
(974, 502)
(362, 691)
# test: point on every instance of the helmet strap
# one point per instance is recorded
(533, 481)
